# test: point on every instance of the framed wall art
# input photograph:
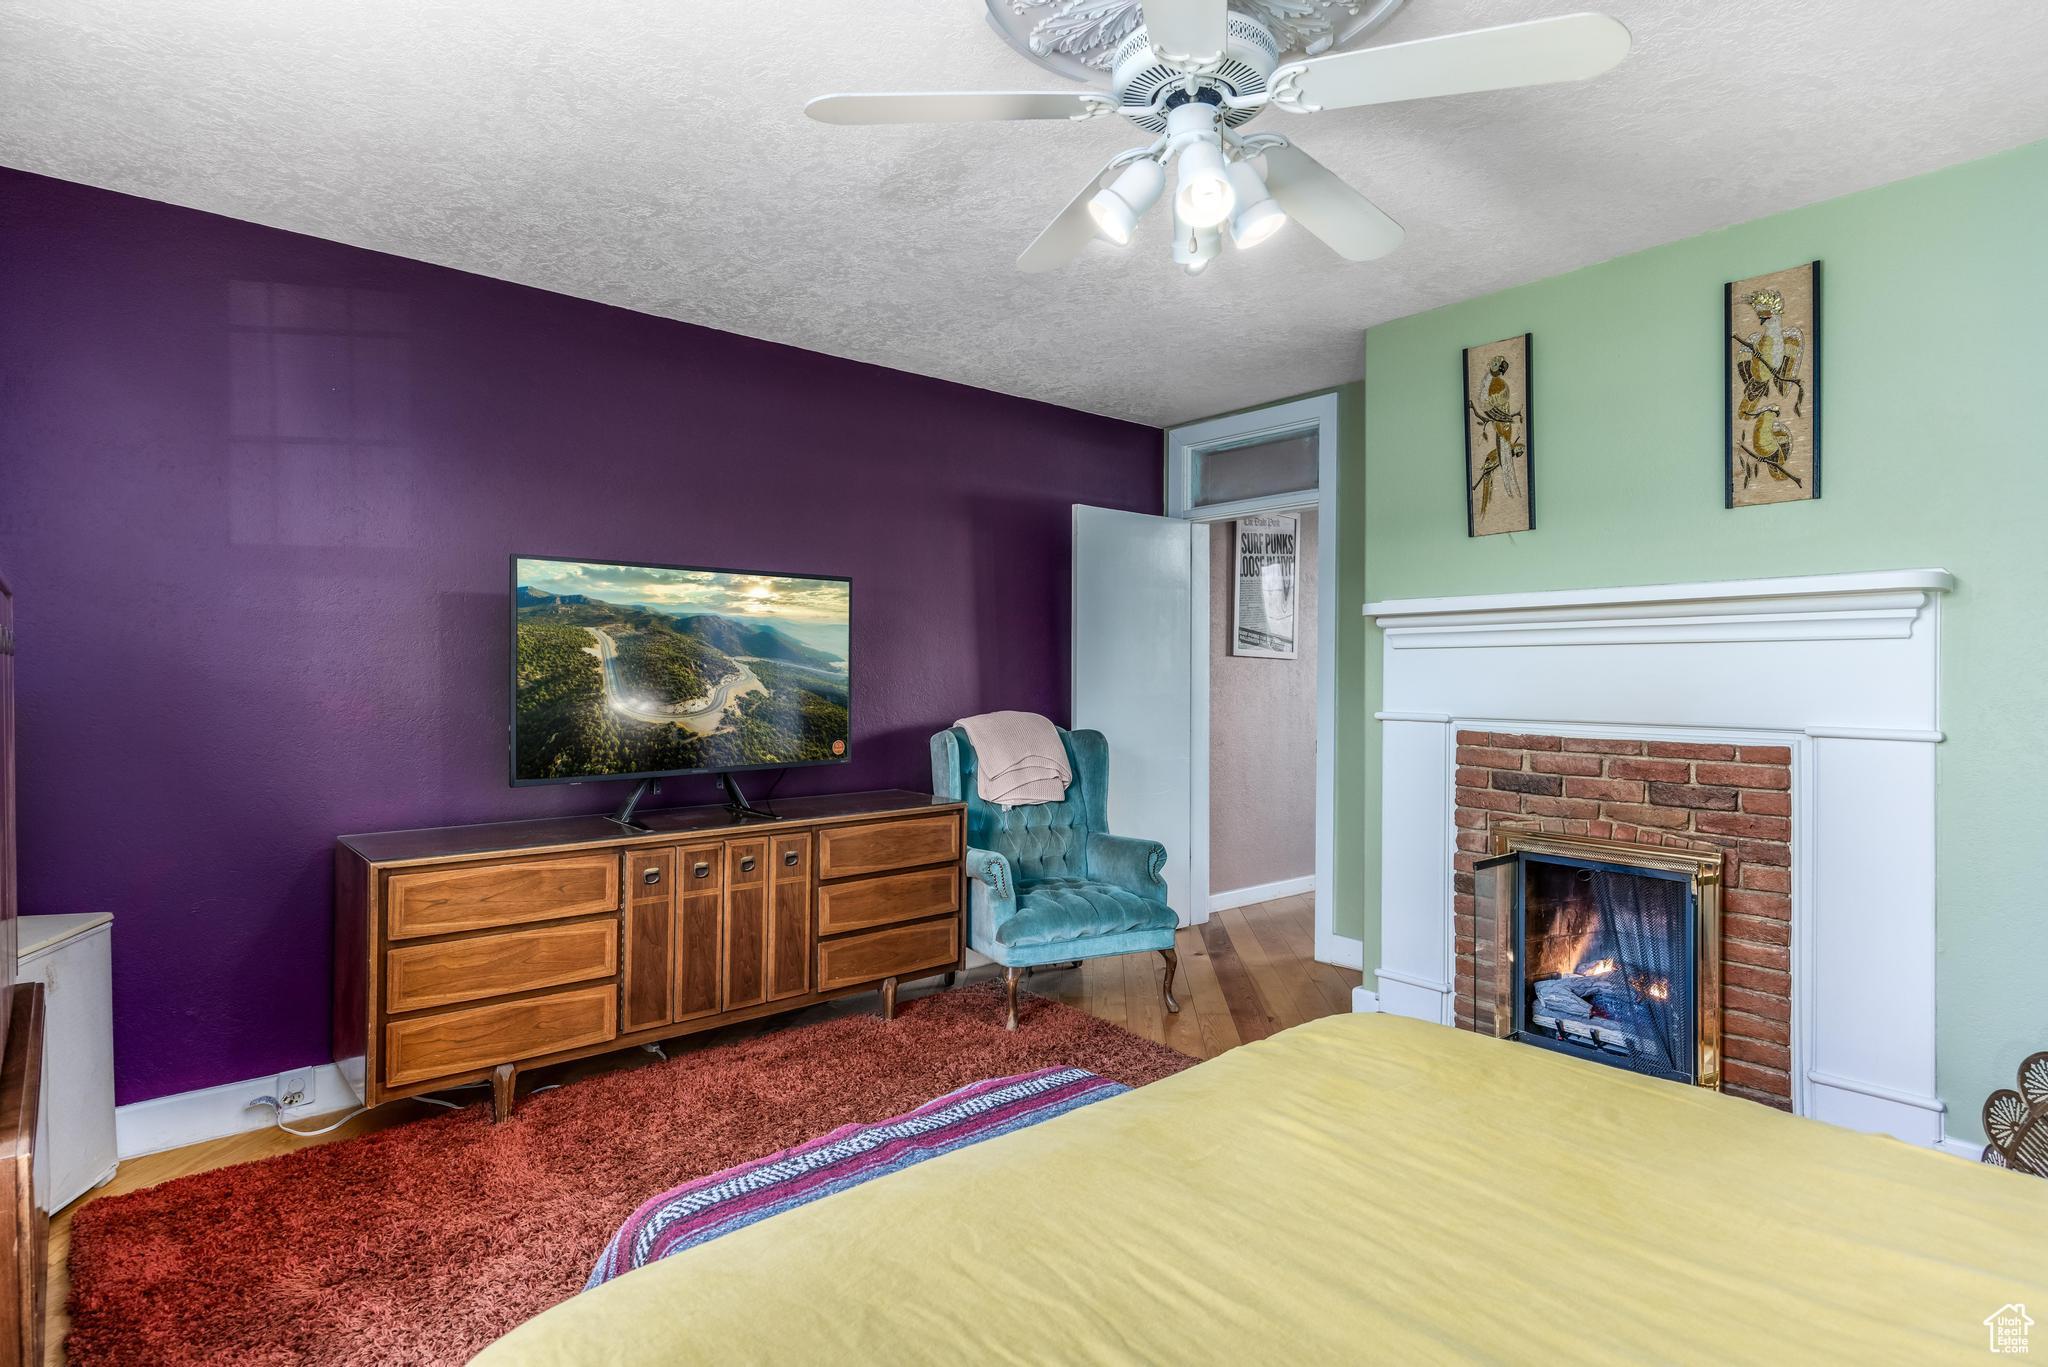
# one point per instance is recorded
(1262, 618)
(1500, 454)
(1771, 327)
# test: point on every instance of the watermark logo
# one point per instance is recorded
(2008, 1326)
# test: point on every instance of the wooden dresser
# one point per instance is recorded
(469, 952)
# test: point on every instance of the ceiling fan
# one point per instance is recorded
(1195, 72)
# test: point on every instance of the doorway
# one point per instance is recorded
(1274, 463)
(1142, 636)
(1263, 648)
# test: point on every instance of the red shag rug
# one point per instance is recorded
(424, 1242)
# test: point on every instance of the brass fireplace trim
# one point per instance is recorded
(1702, 867)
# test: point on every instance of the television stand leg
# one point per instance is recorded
(736, 801)
(624, 815)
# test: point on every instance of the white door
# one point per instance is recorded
(1135, 579)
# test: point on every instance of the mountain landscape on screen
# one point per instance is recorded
(625, 669)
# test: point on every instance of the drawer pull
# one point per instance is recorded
(701, 870)
(747, 863)
(651, 877)
(789, 859)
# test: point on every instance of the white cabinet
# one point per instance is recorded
(72, 957)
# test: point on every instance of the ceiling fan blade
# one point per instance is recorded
(1187, 32)
(1569, 47)
(1314, 197)
(967, 106)
(1067, 234)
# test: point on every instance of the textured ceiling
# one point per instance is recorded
(655, 155)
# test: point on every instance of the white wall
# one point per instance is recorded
(1262, 738)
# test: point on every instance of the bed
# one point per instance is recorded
(1360, 1188)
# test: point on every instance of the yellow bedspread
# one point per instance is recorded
(1362, 1188)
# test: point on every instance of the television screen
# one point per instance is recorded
(639, 671)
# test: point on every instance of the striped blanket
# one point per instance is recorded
(688, 1215)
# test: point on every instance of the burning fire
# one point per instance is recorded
(1656, 989)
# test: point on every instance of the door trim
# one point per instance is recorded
(1273, 420)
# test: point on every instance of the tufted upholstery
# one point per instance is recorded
(1047, 840)
(1050, 883)
(1055, 910)
(1043, 841)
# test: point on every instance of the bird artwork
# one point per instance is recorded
(1499, 478)
(1773, 435)
(1770, 447)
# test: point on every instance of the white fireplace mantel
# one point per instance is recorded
(1842, 668)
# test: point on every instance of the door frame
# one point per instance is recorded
(1317, 412)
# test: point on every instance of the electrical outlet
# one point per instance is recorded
(294, 1090)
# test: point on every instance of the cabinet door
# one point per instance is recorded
(700, 902)
(746, 923)
(647, 989)
(789, 917)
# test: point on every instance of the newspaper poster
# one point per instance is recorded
(1262, 622)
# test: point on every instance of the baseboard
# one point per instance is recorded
(171, 1122)
(1961, 1148)
(1345, 951)
(1364, 1001)
(1261, 892)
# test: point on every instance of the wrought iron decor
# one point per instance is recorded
(2017, 1121)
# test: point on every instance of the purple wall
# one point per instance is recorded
(257, 492)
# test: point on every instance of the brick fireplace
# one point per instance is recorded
(1730, 800)
(1780, 734)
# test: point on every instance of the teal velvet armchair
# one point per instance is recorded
(1049, 883)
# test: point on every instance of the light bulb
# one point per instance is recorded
(1257, 217)
(1116, 210)
(1204, 198)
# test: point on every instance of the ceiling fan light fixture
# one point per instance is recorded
(1117, 209)
(1257, 217)
(1193, 73)
(1204, 197)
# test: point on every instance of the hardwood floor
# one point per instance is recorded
(1246, 974)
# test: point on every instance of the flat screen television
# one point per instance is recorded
(634, 671)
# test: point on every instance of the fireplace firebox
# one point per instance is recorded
(1604, 950)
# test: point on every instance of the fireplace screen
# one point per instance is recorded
(1603, 959)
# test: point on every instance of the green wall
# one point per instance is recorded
(1935, 352)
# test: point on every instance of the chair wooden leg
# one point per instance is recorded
(1010, 979)
(1166, 987)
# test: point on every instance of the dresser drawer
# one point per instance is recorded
(479, 1037)
(883, 846)
(888, 953)
(884, 901)
(449, 971)
(482, 896)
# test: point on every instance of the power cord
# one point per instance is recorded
(277, 1111)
